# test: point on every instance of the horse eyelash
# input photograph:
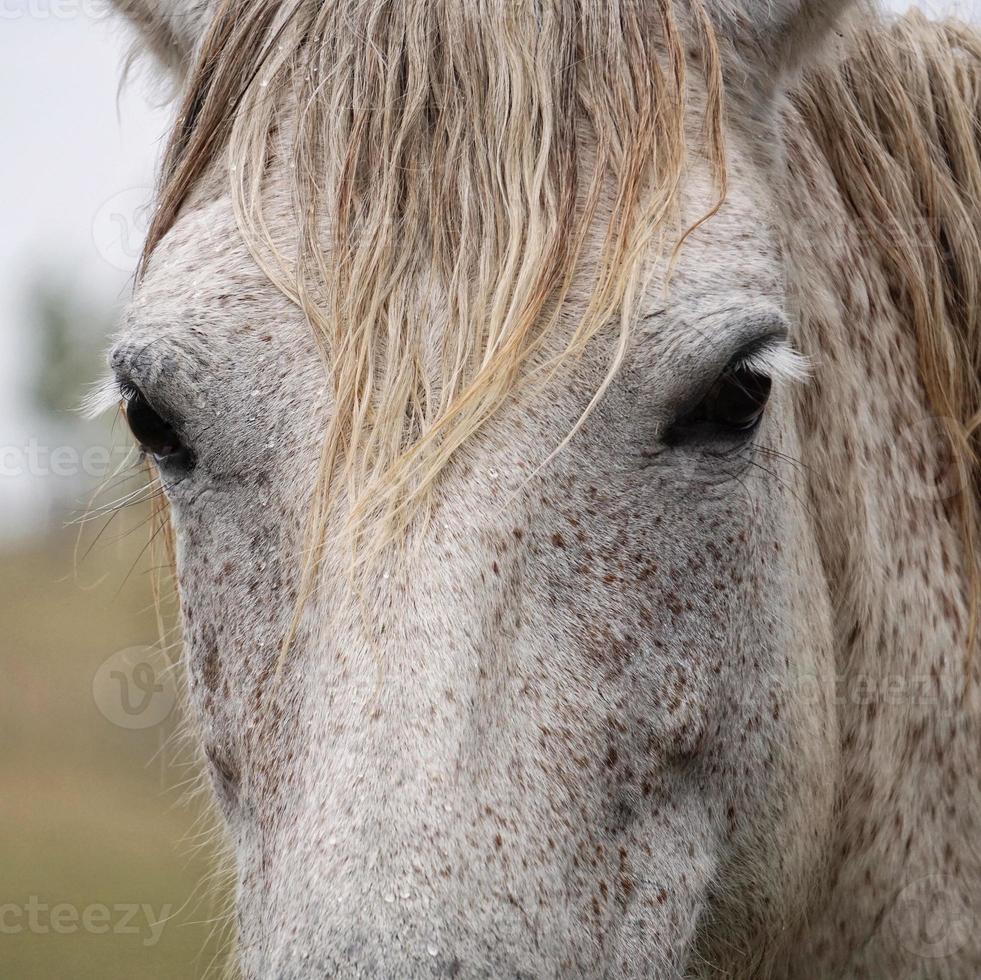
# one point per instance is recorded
(778, 361)
(102, 397)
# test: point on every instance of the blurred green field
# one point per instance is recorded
(103, 859)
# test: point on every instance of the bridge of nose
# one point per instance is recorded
(417, 890)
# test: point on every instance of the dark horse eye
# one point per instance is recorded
(154, 433)
(732, 407)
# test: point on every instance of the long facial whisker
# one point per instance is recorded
(127, 500)
(781, 481)
(777, 454)
(153, 537)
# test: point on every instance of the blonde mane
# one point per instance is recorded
(435, 151)
(899, 122)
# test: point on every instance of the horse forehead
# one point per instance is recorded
(204, 291)
(205, 304)
(202, 268)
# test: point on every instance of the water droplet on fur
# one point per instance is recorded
(389, 897)
(432, 950)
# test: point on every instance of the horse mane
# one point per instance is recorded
(898, 119)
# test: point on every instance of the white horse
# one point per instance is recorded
(567, 413)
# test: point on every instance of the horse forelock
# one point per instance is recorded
(435, 157)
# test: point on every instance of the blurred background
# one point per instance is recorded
(106, 850)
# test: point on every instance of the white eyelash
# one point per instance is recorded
(780, 362)
(101, 397)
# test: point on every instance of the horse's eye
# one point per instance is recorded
(154, 434)
(731, 408)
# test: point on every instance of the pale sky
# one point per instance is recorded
(77, 165)
(72, 159)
